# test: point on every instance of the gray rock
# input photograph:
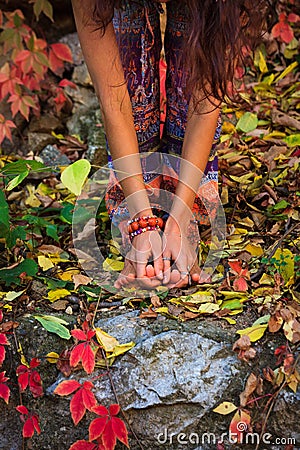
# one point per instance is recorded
(83, 98)
(45, 123)
(81, 76)
(287, 405)
(38, 141)
(51, 156)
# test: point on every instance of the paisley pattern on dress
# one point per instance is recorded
(137, 27)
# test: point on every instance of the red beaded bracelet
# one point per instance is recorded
(142, 224)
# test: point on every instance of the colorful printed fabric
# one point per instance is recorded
(137, 27)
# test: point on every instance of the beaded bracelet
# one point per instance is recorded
(142, 224)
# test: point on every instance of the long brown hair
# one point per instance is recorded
(220, 32)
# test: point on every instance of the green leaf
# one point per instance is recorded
(248, 122)
(75, 175)
(9, 276)
(280, 205)
(54, 325)
(18, 167)
(293, 140)
(17, 180)
(4, 211)
(51, 231)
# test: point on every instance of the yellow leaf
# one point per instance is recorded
(200, 297)
(228, 127)
(262, 63)
(266, 279)
(68, 274)
(285, 263)
(10, 296)
(31, 199)
(286, 71)
(113, 265)
(208, 308)
(254, 249)
(108, 342)
(162, 310)
(292, 382)
(229, 320)
(255, 332)
(121, 348)
(52, 357)
(56, 294)
(45, 263)
(225, 408)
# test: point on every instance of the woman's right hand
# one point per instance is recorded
(144, 247)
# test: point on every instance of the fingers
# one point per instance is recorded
(167, 268)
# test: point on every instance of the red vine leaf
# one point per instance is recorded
(67, 387)
(4, 389)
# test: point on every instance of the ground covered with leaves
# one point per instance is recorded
(255, 289)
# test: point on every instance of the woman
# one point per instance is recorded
(121, 43)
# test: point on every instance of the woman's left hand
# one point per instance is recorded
(178, 248)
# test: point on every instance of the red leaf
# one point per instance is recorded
(3, 339)
(65, 82)
(62, 52)
(236, 266)
(293, 18)
(35, 384)
(2, 350)
(108, 437)
(77, 407)
(240, 284)
(114, 409)
(22, 409)
(67, 387)
(239, 425)
(36, 424)
(56, 64)
(120, 430)
(1, 316)
(28, 428)
(83, 445)
(101, 410)
(4, 392)
(79, 335)
(96, 428)
(34, 363)
(88, 359)
(283, 31)
(23, 380)
(76, 354)
(88, 399)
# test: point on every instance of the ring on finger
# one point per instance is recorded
(166, 258)
(184, 274)
(190, 278)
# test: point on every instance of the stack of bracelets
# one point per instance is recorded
(145, 223)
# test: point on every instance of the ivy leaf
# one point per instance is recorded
(27, 267)
(248, 122)
(75, 175)
(54, 325)
(225, 408)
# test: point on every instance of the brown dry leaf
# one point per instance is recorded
(269, 374)
(80, 280)
(155, 300)
(174, 310)
(251, 385)
(149, 314)
(88, 230)
(275, 322)
(189, 315)
(49, 249)
(60, 305)
(280, 118)
(244, 349)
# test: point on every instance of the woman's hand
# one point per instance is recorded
(146, 246)
(178, 248)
